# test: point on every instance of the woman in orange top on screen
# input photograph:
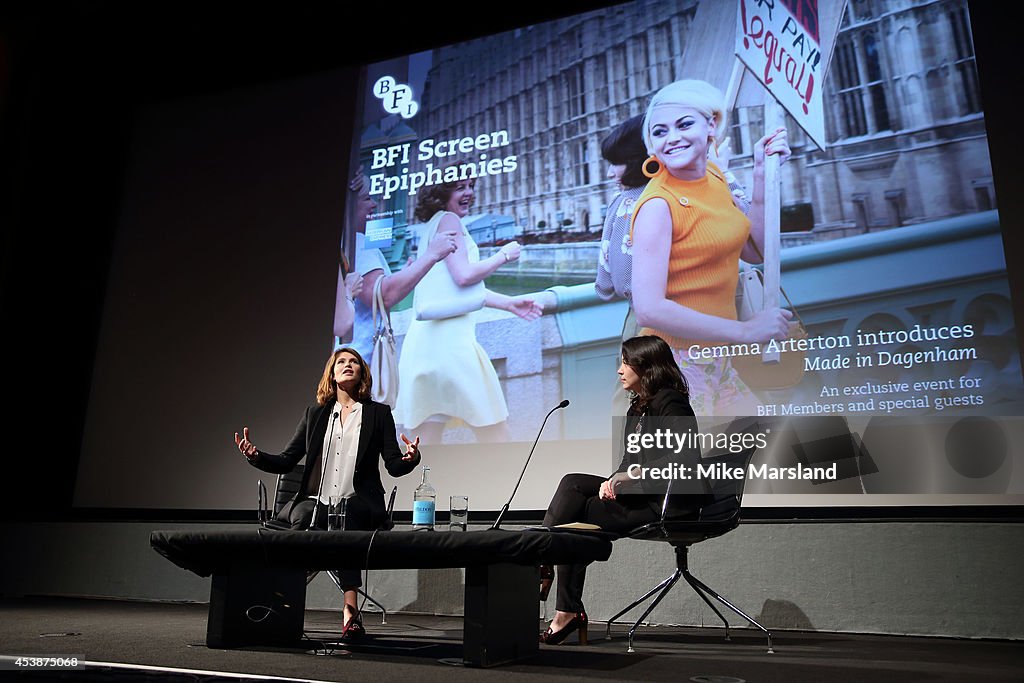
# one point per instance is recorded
(687, 239)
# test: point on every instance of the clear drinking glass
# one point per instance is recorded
(458, 513)
(336, 513)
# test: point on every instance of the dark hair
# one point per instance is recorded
(625, 146)
(434, 198)
(327, 390)
(651, 358)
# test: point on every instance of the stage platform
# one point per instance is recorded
(145, 641)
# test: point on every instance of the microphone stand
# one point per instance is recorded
(504, 509)
(323, 473)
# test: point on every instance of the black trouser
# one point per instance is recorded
(576, 500)
(297, 516)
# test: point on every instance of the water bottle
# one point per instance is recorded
(424, 499)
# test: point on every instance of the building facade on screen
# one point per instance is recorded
(904, 119)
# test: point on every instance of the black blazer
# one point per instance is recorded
(376, 439)
(667, 409)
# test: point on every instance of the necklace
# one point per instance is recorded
(640, 423)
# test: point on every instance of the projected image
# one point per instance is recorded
(505, 217)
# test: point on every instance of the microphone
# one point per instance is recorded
(391, 501)
(263, 503)
(323, 473)
(504, 509)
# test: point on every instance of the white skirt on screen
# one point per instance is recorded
(444, 373)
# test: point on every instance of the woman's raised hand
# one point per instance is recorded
(776, 142)
(357, 181)
(511, 251)
(766, 325)
(412, 448)
(721, 154)
(441, 245)
(353, 285)
(245, 446)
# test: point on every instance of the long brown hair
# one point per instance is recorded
(651, 358)
(327, 390)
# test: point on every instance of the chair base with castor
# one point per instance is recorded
(699, 587)
(718, 515)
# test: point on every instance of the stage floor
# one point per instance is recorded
(143, 641)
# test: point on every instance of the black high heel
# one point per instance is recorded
(547, 575)
(577, 623)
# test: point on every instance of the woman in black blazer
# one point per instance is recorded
(620, 503)
(342, 397)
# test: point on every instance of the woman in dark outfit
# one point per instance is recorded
(620, 503)
(362, 435)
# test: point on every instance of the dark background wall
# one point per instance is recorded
(75, 78)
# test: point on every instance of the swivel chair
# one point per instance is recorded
(719, 516)
(287, 486)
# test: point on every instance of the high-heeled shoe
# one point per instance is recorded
(577, 623)
(353, 630)
(547, 575)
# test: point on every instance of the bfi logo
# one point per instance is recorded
(396, 97)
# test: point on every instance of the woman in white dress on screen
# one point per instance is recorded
(444, 373)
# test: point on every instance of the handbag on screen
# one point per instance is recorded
(755, 373)
(384, 364)
(437, 296)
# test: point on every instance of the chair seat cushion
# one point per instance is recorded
(685, 532)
